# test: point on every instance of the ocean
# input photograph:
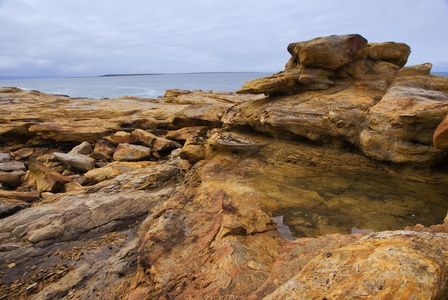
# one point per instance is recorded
(146, 86)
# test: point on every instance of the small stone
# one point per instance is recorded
(11, 265)
(103, 150)
(23, 153)
(128, 152)
(5, 157)
(10, 166)
(78, 161)
(122, 137)
(144, 137)
(165, 145)
(84, 148)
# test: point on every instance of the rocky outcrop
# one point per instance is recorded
(204, 195)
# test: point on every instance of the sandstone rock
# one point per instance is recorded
(165, 145)
(396, 53)
(375, 267)
(12, 179)
(121, 137)
(10, 206)
(84, 148)
(76, 131)
(330, 52)
(128, 152)
(280, 83)
(193, 152)
(144, 137)
(187, 133)
(77, 161)
(195, 97)
(47, 179)
(22, 196)
(440, 138)
(114, 169)
(9, 90)
(23, 153)
(200, 115)
(72, 186)
(4, 157)
(103, 150)
(10, 166)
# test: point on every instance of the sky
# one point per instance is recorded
(62, 38)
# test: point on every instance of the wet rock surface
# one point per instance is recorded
(204, 195)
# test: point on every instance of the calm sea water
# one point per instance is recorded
(150, 86)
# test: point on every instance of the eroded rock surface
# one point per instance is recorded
(205, 195)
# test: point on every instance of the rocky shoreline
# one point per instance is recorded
(268, 193)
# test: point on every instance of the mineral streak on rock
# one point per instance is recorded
(211, 195)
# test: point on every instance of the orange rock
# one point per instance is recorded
(440, 138)
(46, 179)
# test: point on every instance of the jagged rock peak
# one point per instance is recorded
(320, 63)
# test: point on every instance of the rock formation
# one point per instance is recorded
(203, 195)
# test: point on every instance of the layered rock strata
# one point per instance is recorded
(203, 195)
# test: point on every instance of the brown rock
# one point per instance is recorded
(10, 206)
(396, 53)
(440, 137)
(387, 265)
(12, 179)
(22, 196)
(103, 150)
(128, 152)
(186, 133)
(144, 137)
(203, 114)
(9, 90)
(5, 157)
(121, 137)
(165, 145)
(280, 83)
(47, 179)
(330, 52)
(10, 166)
(77, 161)
(23, 153)
(192, 152)
(84, 148)
(114, 169)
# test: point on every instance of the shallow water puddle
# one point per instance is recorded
(313, 202)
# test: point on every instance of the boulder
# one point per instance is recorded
(330, 52)
(144, 137)
(280, 83)
(46, 179)
(121, 137)
(128, 152)
(4, 156)
(165, 145)
(78, 161)
(103, 150)
(84, 148)
(396, 53)
(203, 114)
(385, 265)
(192, 151)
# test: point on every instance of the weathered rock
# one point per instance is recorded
(381, 266)
(192, 151)
(396, 53)
(77, 161)
(10, 166)
(165, 145)
(187, 133)
(122, 137)
(22, 196)
(9, 90)
(12, 179)
(84, 148)
(440, 137)
(128, 152)
(10, 206)
(104, 150)
(4, 157)
(114, 169)
(203, 114)
(194, 97)
(46, 179)
(330, 52)
(144, 137)
(23, 153)
(280, 83)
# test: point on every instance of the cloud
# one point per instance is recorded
(72, 38)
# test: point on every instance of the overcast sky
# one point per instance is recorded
(94, 37)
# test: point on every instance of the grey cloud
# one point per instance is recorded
(70, 38)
